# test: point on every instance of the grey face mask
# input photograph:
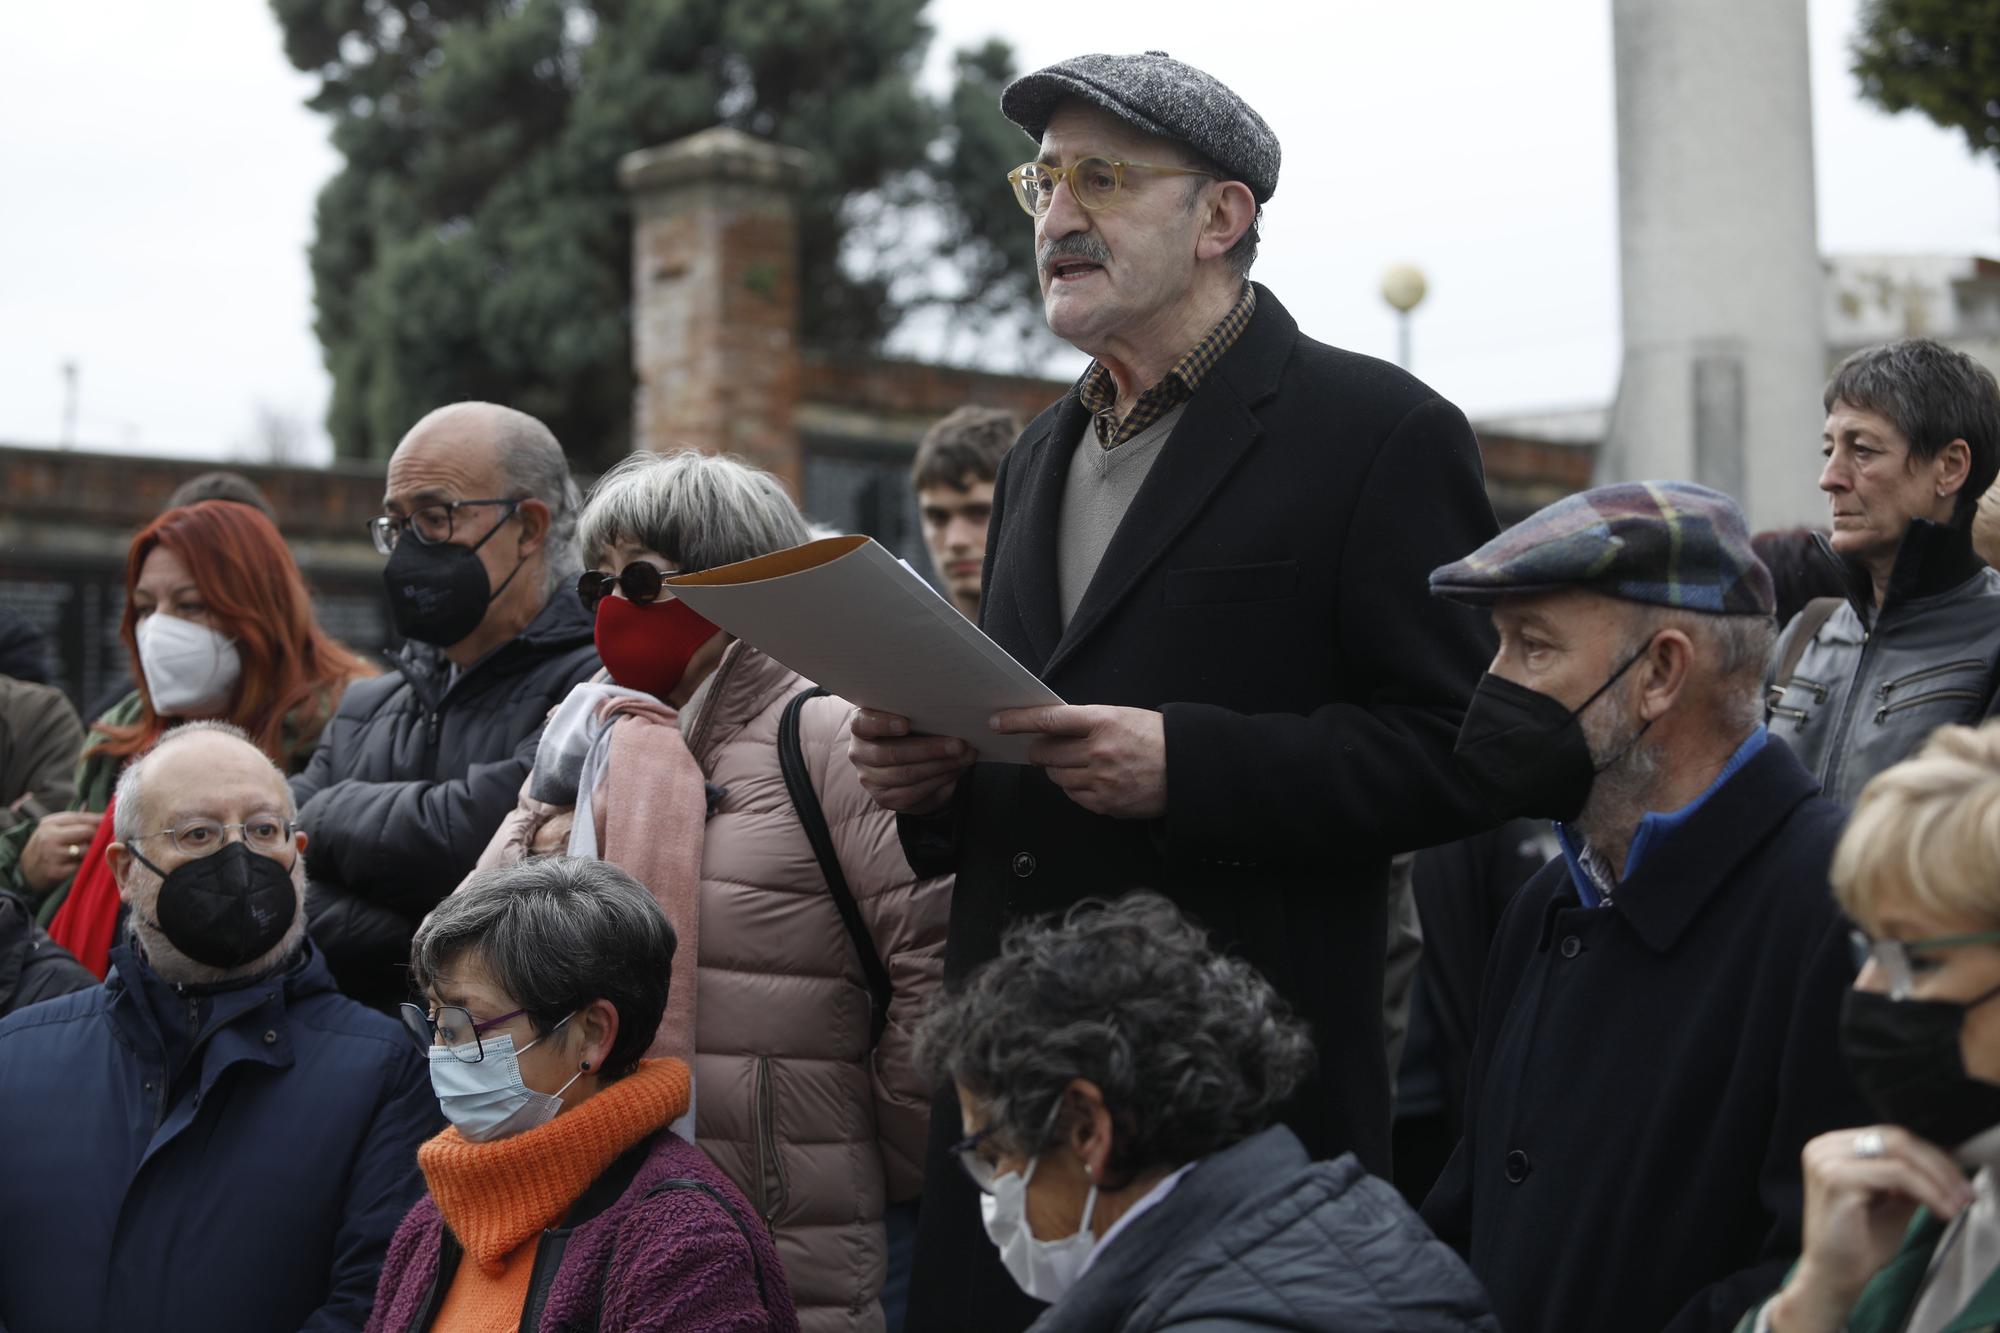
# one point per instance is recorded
(486, 1098)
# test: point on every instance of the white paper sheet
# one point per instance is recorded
(849, 616)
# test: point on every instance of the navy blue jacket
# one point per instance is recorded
(1646, 1072)
(226, 1159)
(1258, 1237)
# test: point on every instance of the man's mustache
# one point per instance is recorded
(1076, 245)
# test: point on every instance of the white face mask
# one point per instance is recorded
(188, 667)
(487, 1099)
(1045, 1269)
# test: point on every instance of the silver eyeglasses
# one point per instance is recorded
(199, 837)
(432, 524)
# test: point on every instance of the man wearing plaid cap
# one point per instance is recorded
(1657, 1035)
(1214, 547)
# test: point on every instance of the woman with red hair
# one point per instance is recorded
(220, 626)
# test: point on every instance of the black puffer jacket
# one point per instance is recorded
(33, 967)
(1258, 1237)
(410, 779)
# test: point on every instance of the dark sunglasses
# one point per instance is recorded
(642, 583)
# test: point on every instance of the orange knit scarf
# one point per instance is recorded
(496, 1196)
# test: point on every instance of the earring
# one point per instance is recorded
(586, 1066)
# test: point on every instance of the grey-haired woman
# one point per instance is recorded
(670, 768)
(1118, 1079)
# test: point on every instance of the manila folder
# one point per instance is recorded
(849, 616)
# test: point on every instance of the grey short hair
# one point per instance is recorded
(531, 460)
(1932, 395)
(697, 510)
(127, 814)
(558, 932)
(1735, 651)
(1192, 1049)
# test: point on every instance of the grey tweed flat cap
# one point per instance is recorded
(1159, 95)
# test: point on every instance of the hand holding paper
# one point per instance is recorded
(849, 616)
(1111, 761)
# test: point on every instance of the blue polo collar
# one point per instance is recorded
(1653, 827)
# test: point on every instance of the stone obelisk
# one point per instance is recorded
(1724, 356)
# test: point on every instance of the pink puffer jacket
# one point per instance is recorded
(815, 1129)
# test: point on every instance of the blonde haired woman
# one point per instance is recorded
(1896, 1236)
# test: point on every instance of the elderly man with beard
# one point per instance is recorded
(214, 1138)
(1657, 1035)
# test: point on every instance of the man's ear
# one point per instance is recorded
(535, 519)
(1227, 215)
(120, 858)
(1671, 657)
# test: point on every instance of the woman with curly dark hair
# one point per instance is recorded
(1118, 1079)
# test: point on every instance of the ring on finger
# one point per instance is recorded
(76, 851)
(1869, 1144)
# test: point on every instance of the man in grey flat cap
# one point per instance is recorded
(1658, 1021)
(1215, 547)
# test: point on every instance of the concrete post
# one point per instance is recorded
(1724, 356)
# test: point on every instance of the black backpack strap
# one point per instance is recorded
(798, 782)
(1812, 618)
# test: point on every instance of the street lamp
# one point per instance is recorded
(1403, 287)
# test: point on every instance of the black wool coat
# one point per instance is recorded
(412, 775)
(1647, 1072)
(1267, 591)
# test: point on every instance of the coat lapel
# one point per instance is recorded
(1031, 556)
(1216, 430)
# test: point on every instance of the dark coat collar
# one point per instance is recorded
(1217, 427)
(561, 623)
(1933, 559)
(1684, 870)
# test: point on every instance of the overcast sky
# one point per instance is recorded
(158, 172)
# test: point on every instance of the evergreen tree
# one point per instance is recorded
(1940, 57)
(476, 243)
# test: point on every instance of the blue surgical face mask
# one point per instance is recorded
(486, 1098)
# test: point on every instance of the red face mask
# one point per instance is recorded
(648, 647)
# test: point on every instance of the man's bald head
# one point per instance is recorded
(474, 450)
(201, 770)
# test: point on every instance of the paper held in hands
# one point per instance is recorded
(846, 614)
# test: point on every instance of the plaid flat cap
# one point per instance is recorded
(1669, 543)
(1159, 95)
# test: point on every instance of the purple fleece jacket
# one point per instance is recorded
(676, 1261)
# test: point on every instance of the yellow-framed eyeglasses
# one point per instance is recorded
(1093, 181)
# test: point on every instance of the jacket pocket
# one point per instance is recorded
(1886, 711)
(1268, 582)
(772, 1190)
(1887, 689)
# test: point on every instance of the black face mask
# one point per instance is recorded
(1526, 754)
(1905, 1058)
(227, 908)
(439, 594)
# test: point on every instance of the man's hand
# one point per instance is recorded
(912, 775)
(55, 849)
(1111, 761)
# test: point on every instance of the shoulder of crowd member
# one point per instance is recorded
(682, 1260)
(1334, 1246)
(47, 1022)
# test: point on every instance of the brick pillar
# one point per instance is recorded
(715, 297)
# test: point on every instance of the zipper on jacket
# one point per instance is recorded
(1812, 687)
(1798, 716)
(431, 730)
(1882, 713)
(771, 1189)
(1928, 673)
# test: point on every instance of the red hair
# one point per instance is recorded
(252, 589)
